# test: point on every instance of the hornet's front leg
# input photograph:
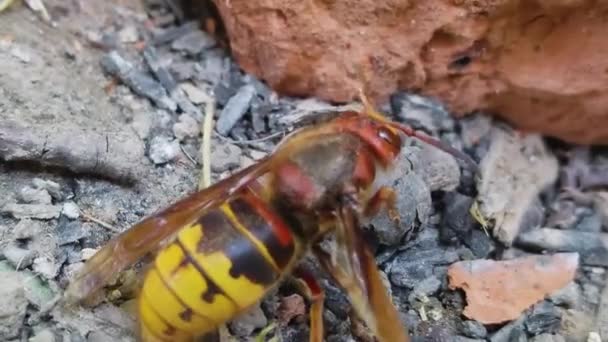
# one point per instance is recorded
(385, 198)
(311, 289)
(352, 265)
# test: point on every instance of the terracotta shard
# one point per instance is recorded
(499, 291)
(538, 64)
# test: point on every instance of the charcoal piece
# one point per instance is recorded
(593, 247)
(457, 220)
(173, 33)
(160, 72)
(411, 267)
(193, 42)
(544, 318)
(234, 110)
(479, 243)
(510, 332)
(473, 329)
(140, 83)
(68, 231)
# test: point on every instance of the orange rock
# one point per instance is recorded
(499, 291)
(539, 64)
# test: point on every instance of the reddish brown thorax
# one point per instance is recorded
(312, 177)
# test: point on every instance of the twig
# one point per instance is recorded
(187, 154)
(100, 222)
(207, 129)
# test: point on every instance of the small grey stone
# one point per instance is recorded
(26, 229)
(544, 318)
(186, 127)
(474, 127)
(513, 328)
(414, 265)
(225, 156)
(13, 304)
(128, 34)
(479, 243)
(34, 195)
(439, 169)
(70, 232)
(45, 335)
(548, 338)
(34, 211)
(428, 286)
(473, 329)
(247, 322)
(234, 110)
(53, 188)
(590, 223)
(70, 210)
(46, 266)
(569, 296)
(456, 217)
(413, 206)
(163, 149)
(182, 71)
(142, 84)
(19, 257)
(193, 42)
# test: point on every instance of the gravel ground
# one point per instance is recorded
(101, 116)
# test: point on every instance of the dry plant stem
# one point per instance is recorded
(207, 129)
(5, 4)
(100, 222)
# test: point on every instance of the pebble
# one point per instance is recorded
(53, 188)
(593, 247)
(212, 69)
(34, 211)
(70, 210)
(511, 176)
(139, 82)
(570, 296)
(68, 232)
(499, 291)
(234, 110)
(45, 335)
(439, 169)
(193, 42)
(186, 127)
(474, 127)
(26, 229)
(413, 205)
(33, 195)
(247, 322)
(87, 253)
(224, 156)
(414, 265)
(473, 329)
(196, 95)
(13, 305)
(548, 338)
(509, 331)
(19, 257)
(428, 286)
(46, 266)
(158, 67)
(182, 71)
(479, 243)
(128, 34)
(544, 318)
(457, 220)
(163, 149)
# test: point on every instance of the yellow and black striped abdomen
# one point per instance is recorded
(215, 268)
